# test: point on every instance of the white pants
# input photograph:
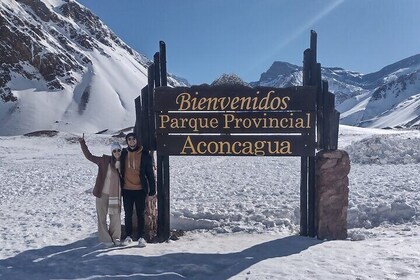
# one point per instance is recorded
(113, 232)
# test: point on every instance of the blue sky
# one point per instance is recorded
(208, 38)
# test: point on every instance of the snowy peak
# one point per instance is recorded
(281, 74)
(279, 68)
(363, 100)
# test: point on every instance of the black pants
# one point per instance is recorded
(130, 198)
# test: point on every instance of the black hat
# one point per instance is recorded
(131, 134)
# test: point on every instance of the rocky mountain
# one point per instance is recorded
(229, 79)
(389, 97)
(62, 68)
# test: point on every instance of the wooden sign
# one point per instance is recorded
(235, 121)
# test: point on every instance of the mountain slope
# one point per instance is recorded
(64, 69)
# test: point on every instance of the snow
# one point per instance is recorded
(54, 3)
(241, 215)
(408, 109)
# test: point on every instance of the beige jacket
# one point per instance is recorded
(102, 163)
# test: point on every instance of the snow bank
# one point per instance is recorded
(386, 149)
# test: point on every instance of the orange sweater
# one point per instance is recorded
(132, 170)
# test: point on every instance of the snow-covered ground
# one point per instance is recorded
(241, 215)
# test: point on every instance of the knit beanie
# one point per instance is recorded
(115, 146)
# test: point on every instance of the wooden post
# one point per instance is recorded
(333, 133)
(138, 124)
(312, 77)
(163, 167)
(304, 196)
(331, 120)
(145, 132)
(150, 113)
(325, 109)
(311, 197)
(306, 67)
(313, 45)
(162, 58)
(307, 58)
(156, 62)
(320, 100)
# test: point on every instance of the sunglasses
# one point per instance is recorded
(116, 151)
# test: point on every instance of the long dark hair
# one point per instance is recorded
(114, 163)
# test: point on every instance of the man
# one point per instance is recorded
(138, 181)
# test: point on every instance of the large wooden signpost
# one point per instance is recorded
(237, 121)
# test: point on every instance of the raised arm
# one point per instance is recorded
(86, 151)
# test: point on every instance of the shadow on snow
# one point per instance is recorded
(85, 260)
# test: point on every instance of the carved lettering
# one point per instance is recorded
(257, 148)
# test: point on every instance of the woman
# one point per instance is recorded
(107, 192)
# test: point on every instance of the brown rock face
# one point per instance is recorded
(23, 43)
(331, 197)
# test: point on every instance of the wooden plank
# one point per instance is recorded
(156, 62)
(313, 45)
(303, 196)
(162, 63)
(333, 130)
(150, 104)
(163, 165)
(311, 197)
(321, 95)
(241, 122)
(138, 124)
(166, 198)
(306, 72)
(230, 98)
(236, 145)
(145, 133)
(161, 192)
